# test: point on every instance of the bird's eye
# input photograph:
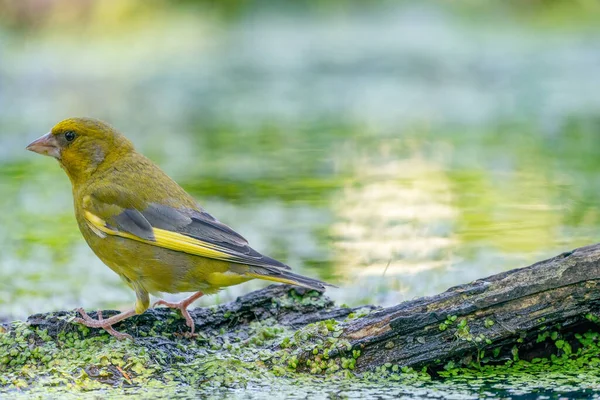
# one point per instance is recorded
(70, 136)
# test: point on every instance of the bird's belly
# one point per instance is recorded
(156, 269)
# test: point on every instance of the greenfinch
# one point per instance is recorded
(146, 228)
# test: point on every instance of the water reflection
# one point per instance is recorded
(394, 153)
(394, 221)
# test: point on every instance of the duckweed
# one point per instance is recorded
(263, 352)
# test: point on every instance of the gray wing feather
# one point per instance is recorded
(133, 221)
(196, 224)
(167, 218)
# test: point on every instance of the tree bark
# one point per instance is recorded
(504, 312)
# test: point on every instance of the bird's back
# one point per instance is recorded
(143, 180)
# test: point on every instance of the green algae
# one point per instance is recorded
(567, 370)
(74, 358)
(447, 323)
(76, 362)
(246, 347)
(246, 352)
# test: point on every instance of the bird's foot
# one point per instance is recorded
(189, 321)
(182, 307)
(105, 324)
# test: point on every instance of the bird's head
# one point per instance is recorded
(82, 146)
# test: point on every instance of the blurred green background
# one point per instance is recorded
(392, 148)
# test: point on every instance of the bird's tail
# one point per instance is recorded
(283, 276)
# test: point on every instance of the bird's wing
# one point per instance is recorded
(192, 231)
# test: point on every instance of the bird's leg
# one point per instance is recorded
(182, 307)
(106, 324)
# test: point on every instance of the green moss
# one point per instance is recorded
(568, 369)
(258, 354)
(302, 298)
(592, 318)
(362, 312)
(448, 322)
(73, 360)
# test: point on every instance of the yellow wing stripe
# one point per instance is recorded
(166, 239)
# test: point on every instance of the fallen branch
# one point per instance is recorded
(502, 314)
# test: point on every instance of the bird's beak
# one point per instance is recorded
(46, 145)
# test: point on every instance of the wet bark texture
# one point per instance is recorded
(505, 312)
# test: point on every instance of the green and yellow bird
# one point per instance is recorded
(145, 227)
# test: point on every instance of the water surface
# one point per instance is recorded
(394, 153)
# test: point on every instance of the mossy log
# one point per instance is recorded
(508, 315)
(288, 330)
